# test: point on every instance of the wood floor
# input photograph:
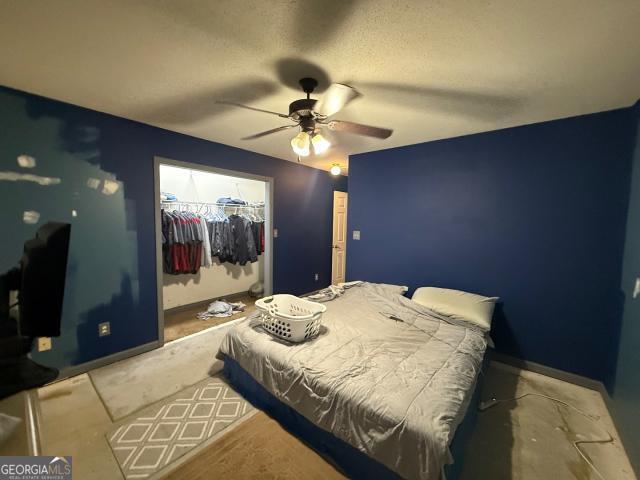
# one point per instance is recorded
(180, 323)
(259, 448)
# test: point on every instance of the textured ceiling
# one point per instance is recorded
(427, 69)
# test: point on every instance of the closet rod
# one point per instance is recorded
(230, 205)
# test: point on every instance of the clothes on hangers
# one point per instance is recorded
(190, 240)
(220, 239)
(244, 247)
(207, 260)
(257, 229)
(182, 237)
(232, 239)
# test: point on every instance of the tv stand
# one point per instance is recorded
(17, 371)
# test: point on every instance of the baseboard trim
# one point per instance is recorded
(569, 377)
(206, 330)
(74, 370)
(81, 368)
(205, 303)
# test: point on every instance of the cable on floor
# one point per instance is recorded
(576, 443)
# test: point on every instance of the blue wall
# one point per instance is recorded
(111, 274)
(534, 214)
(626, 393)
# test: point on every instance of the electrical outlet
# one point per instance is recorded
(315, 277)
(44, 343)
(104, 329)
(356, 234)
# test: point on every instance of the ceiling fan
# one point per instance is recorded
(311, 115)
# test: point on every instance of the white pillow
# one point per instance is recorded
(458, 305)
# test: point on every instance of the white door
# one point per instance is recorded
(339, 257)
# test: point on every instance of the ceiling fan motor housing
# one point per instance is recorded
(308, 124)
(302, 108)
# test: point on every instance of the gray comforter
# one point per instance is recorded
(386, 375)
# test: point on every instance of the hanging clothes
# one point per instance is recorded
(182, 238)
(236, 238)
(244, 247)
(206, 244)
(257, 230)
(221, 239)
(191, 241)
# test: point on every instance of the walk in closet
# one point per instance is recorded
(214, 244)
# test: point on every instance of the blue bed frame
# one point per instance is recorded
(347, 458)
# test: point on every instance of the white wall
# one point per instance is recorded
(200, 186)
(220, 279)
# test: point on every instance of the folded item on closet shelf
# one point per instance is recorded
(168, 197)
(221, 308)
(333, 291)
(231, 201)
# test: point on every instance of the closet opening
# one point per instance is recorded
(213, 245)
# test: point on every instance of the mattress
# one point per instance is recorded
(386, 375)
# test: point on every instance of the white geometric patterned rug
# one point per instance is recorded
(153, 438)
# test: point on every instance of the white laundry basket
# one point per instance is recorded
(291, 318)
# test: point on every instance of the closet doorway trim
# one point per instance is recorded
(268, 225)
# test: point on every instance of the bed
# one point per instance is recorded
(381, 391)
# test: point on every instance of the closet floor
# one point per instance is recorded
(178, 324)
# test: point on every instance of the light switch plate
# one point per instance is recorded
(636, 288)
(44, 344)
(275, 233)
(104, 329)
(356, 234)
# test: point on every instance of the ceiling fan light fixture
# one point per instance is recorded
(312, 116)
(335, 169)
(300, 144)
(320, 144)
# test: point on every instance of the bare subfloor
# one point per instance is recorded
(532, 438)
(527, 439)
(178, 324)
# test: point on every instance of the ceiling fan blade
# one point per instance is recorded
(269, 132)
(234, 104)
(359, 129)
(197, 105)
(334, 99)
